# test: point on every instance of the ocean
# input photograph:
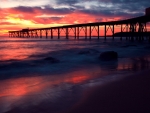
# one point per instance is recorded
(52, 75)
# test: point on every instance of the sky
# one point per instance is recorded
(19, 14)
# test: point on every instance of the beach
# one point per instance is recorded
(41, 78)
(127, 95)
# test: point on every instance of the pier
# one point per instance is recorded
(131, 26)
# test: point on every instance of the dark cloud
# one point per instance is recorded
(55, 18)
(117, 8)
(25, 9)
(68, 2)
(45, 10)
(97, 8)
(131, 5)
(109, 12)
(126, 8)
(58, 10)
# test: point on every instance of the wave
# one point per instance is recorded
(59, 61)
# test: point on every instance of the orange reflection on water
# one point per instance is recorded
(15, 50)
(124, 66)
(79, 76)
(138, 63)
(36, 84)
(20, 86)
(78, 79)
(30, 85)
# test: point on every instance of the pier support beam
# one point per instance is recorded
(31, 34)
(28, 34)
(75, 32)
(78, 32)
(40, 33)
(127, 27)
(105, 31)
(141, 30)
(90, 32)
(36, 34)
(85, 32)
(121, 32)
(113, 31)
(51, 33)
(46, 34)
(67, 33)
(132, 31)
(98, 31)
(58, 33)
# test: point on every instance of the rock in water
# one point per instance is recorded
(108, 56)
(51, 59)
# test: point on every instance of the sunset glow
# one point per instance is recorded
(30, 85)
(16, 15)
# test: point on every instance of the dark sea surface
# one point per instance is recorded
(30, 82)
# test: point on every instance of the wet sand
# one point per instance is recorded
(128, 95)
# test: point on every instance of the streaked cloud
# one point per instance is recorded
(43, 13)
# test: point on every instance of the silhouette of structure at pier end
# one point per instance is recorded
(131, 26)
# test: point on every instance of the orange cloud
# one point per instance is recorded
(37, 17)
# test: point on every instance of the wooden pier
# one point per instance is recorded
(130, 26)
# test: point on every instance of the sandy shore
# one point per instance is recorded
(128, 95)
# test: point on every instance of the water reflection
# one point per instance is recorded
(20, 91)
(26, 85)
(135, 64)
(60, 89)
(16, 50)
